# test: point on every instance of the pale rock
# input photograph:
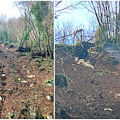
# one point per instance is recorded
(19, 79)
(49, 97)
(88, 65)
(2, 45)
(49, 117)
(24, 81)
(108, 109)
(1, 98)
(31, 76)
(117, 95)
(88, 62)
(76, 59)
(3, 75)
(31, 85)
(81, 61)
(28, 71)
(74, 69)
(49, 84)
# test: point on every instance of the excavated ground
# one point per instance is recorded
(23, 90)
(91, 93)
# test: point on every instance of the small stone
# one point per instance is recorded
(1, 98)
(24, 81)
(49, 117)
(81, 61)
(117, 95)
(19, 79)
(31, 76)
(3, 76)
(74, 69)
(107, 109)
(28, 71)
(76, 59)
(49, 97)
(31, 85)
(88, 62)
(49, 84)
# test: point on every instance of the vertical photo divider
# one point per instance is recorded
(54, 59)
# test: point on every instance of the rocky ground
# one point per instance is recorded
(24, 92)
(88, 93)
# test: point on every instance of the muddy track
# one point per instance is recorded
(2, 84)
(16, 93)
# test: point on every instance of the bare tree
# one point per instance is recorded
(107, 15)
(62, 7)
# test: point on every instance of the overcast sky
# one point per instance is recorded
(7, 8)
(80, 16)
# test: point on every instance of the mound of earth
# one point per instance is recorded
(90, 93)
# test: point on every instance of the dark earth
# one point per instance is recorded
(86, 93)
(23, 87)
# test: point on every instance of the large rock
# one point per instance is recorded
(81, 61)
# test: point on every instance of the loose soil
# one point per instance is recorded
(23, 89)
(90, 93)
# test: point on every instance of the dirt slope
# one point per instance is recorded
(91, 93)
(23, 91)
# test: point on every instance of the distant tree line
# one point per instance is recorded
(33, 29)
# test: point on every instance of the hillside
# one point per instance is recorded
(86, 93)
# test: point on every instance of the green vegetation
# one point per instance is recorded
(34, 30)
(11, 115)
(101, 73)
(32, 112)
(44, 64)
(17, 79)
(5, 36)
(60, 80)
(49, 82)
